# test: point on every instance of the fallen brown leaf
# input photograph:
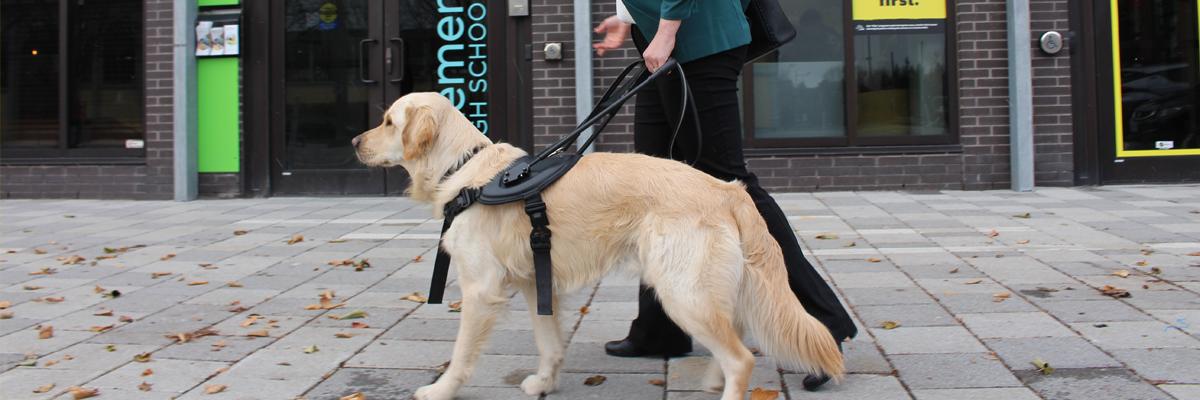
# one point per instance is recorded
(38, 251)
(240, 232)
(296, 239)
(584, 310)
(889, 325)
(148, 372)
(237, 309)
(657, 382)
(993, 233)
(184, 337)
(44, 271)
(32, 287)
(1024, 241)
(999, 297)
(359, 325)
(166, 257)
(311, 349)
(103, 313)
(101, 328)
(220, 344)
(1194, 254)
(75, 259)
(356, 314)
(595, 380)
(142, 357)
(82, 393)
(874, 259)
(233, 284)
(197, 283)
(343, 335)
(145, 386)
(50, 363)
(973, 282)
(954, 271)
(338, 263)
(5, 304)
(1142, 263)
(827, 236)
(1122, 273)
(156, 275)
(208, 266)
(214, 389)
(1155, 270)
(125, 318)
(53, 299)
(46, 332)
(6, 315)
(259, 333)
(415, 297)
(763, 394)
(417, 258)
(1025, 215)
(44, 388)
(456, 306)
(1109, 290)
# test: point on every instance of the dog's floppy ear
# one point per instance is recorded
(419, 128)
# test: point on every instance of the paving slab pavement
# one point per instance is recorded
(187, 296)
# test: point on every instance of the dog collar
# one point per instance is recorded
(461, 163)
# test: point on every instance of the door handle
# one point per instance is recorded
(362, 53)
(399, 59)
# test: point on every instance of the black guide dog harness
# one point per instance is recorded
(528, 176)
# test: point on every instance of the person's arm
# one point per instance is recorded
(660, 48)
(615, 29)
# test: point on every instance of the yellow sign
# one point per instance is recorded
(874, 10)
(328, 12)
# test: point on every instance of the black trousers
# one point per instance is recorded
(713, 81)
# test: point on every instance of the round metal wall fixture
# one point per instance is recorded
(1051, 42)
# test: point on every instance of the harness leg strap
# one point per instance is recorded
(441, 267)
(539, 242)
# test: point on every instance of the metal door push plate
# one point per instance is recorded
(1051, 42)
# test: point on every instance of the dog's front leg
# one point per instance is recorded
(548, 334)
(483, 299)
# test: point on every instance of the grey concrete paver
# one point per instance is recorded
(955, 341)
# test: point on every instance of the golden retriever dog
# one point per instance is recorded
(699, 241)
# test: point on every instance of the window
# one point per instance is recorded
(71, 84)
(861, 73)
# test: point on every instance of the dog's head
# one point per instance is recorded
(410, 129)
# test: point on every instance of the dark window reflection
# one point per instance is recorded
(1159, 74)
(799, 93)
(901, 84)
(29, 73)
(105, 64)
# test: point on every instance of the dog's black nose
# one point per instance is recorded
(356, 141)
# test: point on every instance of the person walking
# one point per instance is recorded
(708, 38)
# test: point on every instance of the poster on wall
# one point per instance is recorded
(899, 16)
(462, 58)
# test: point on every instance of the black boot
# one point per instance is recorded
(629, 348)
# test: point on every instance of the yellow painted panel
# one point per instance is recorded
(873, 10)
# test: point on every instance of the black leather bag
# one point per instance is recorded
(769, 28)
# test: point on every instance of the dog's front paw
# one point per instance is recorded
(432, 392)
(535, 385)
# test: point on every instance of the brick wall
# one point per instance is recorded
(983, 162)
(152, 180)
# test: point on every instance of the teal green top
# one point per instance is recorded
(709, 26)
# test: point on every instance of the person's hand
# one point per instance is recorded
(615, 32)
(660, 48)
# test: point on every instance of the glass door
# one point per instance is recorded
(1155, 86)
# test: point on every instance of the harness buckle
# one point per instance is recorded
(515, 174)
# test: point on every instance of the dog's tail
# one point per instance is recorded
(771, 311)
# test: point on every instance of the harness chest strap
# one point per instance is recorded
(539, 242)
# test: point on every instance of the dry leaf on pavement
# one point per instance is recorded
(103, 313)
(584, 310)
(233, 284)
(973, 282)
(356, 314)
(354, 396)
(75, 259)
(595, 380)
(5, 304)
(46, 332)
(44, 388)
(890, 325)
(259, 333)
(359, 325)
(657, 382)
(53, 299)
(214, 389)
(168, 256)
(44, 271)
(343, 335)
(456, 306)
(416, 297)
(311, 349)
(82, 393)
(1122, 273)
(142, 357)
(240, 232)
(6, 315)
(999, 297)
(296, 239)
(145, 386)
(1112, 291)
(197, 283)
(827, 236)
(763, 394)
(148, 372)
(874, 259)
(156, 275)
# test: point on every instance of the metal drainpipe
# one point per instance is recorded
(1020, 96)
(184, 109)
(583, 66)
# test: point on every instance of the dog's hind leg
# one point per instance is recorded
(483, 299)
(548, 334)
